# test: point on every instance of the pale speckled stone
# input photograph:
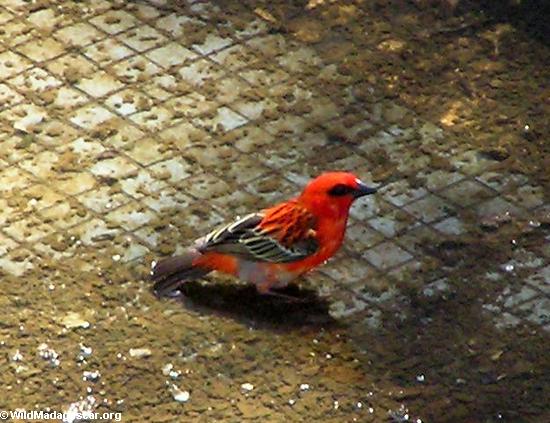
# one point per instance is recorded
(386, 255)
(91, 116)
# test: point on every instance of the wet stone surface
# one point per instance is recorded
(127, 129)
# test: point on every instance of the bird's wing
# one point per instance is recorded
(266, 237)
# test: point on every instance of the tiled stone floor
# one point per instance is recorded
(127, 128)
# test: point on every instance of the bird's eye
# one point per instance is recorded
(340, 190)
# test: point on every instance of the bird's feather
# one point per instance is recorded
(274, 235)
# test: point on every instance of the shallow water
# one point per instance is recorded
(130, 128)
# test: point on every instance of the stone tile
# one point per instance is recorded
(79, 34)
(251, 28)
(131, 251)
(148, 150)
(497, 206)
(141, 184)
(93, 230)
(512, 299)
(439, 179)
(430, 208)
(99, 85)
(210, 155)
(144, 11)
(161, 87)
(135, 69)
(502, 182)
(286, 152)
(540, 279)
(270, 188)
(168, 199)
(114, 21)
(11, 64)
(300, 60)
(129, 101)
(142, 38)
(177, 25)
(107, 51)
(28, 228)
(183, 135)
(390, 223)
(321, 110)
(537, 311)
(466, 193)
(271, 45)
(262, 75)
(206, 187)
(43, 165)
(5, 16)
(172, 170)
(249, 169)
(405, 273)
(116, 167)
(225, 120)
(450, 226)
(6, 245)
(437, 288)
(103, 199)
(86, 149)
(360, 237)
(287, 126)
(212, 42)
(8, 96)
(46, 19)
(65, 215)
(130, 216)
(191, 105)
(416, 239)
(227, 90)
(155, 119)
(123, 137)
(235, 57)
(17, 262)
(40, 196)
(68, 98)
(91, 116)
(348, 271)
(400, 193)
(234, 203)
(171, 54)
(26, 117)
(471, 162)
(149, 236)
(205, 10)
(250, 138)
(71, 67)
(73, 183)
(386, 255)
(16, 32)
(528, 196)
(523, 259)
(7, 209)
(200, 72)
(40, 50)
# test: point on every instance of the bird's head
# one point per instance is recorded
(334, 192)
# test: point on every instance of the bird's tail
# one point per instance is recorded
(170, 273)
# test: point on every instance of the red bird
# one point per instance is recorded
(274, 246)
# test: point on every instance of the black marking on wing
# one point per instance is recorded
(245, 239)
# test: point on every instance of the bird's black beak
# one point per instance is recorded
(363, 190)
